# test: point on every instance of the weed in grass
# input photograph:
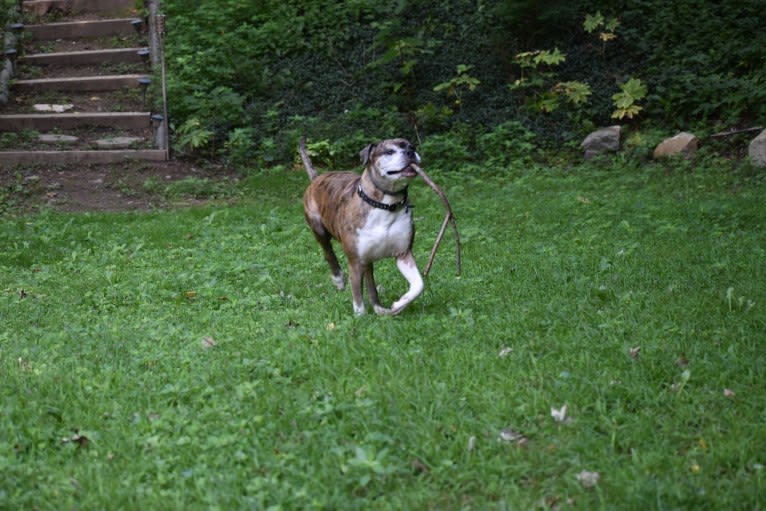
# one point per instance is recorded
(195, 188)
(200, 358)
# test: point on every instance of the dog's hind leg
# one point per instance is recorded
(324, 238)
(325, 241)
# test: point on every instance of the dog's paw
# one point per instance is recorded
(399, 305)
(379, 309)
(339, 281)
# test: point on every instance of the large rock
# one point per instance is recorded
(757, 149)
(684, 144)
(604, 140)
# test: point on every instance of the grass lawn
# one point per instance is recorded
(201, 358)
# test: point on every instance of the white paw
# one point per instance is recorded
(379, 309)
(339, 281)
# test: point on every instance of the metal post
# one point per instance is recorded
(164, 129)
(157, 53)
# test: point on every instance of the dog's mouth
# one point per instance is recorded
(410, 170)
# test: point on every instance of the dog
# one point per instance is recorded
(370, 216)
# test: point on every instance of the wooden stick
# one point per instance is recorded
(448, 218)
(736, 132)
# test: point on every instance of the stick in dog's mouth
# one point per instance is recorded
(411, 170)
(448, 218)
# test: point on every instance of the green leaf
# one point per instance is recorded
(593, 21)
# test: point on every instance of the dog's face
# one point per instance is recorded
(390, 162)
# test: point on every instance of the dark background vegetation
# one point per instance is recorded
(248, 77)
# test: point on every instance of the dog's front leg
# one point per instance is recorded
(372, 292)
(408, 268)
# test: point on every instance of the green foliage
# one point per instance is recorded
(597, 21)
(575, 92)
(8, 13)
(345, 71)
(507, 143)
(193, 136)
(702, 61)
(456, 86)
(625, 101)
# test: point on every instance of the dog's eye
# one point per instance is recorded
(389, 152)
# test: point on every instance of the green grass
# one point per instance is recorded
(201, 359)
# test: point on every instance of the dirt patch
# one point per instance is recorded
(127, 186)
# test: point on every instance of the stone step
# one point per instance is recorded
(106, 7)
(83, 29)
(10, 159)
(50, 122)
(84, 58)
(78, 83)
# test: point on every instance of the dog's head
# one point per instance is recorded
(391, 163)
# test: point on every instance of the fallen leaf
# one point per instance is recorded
(419, 467)
(634, 352)
(208, 342)
(729, 393)
(588, 479)
(560, 415)
(505, 352)
(471, 443)
(331, 326)
(76, 438)
(511, 436)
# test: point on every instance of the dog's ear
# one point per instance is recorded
(365, 153)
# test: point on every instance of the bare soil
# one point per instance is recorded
(112, 187)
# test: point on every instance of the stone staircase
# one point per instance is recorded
(85, 87)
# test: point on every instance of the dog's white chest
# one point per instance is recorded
(384, 234)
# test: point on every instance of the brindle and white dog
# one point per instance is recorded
(371, 216)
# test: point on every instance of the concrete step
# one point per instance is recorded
(50, 122)
(78, 83)
(10, 159)
(106, 7)
(84, 58)
(88, 29)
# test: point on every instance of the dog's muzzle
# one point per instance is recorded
(408, 171)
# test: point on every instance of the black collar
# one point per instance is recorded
(382, 205)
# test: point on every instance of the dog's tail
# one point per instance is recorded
(306, 160)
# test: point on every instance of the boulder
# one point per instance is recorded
(684, 144)
(601, 141)
(757, 150)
